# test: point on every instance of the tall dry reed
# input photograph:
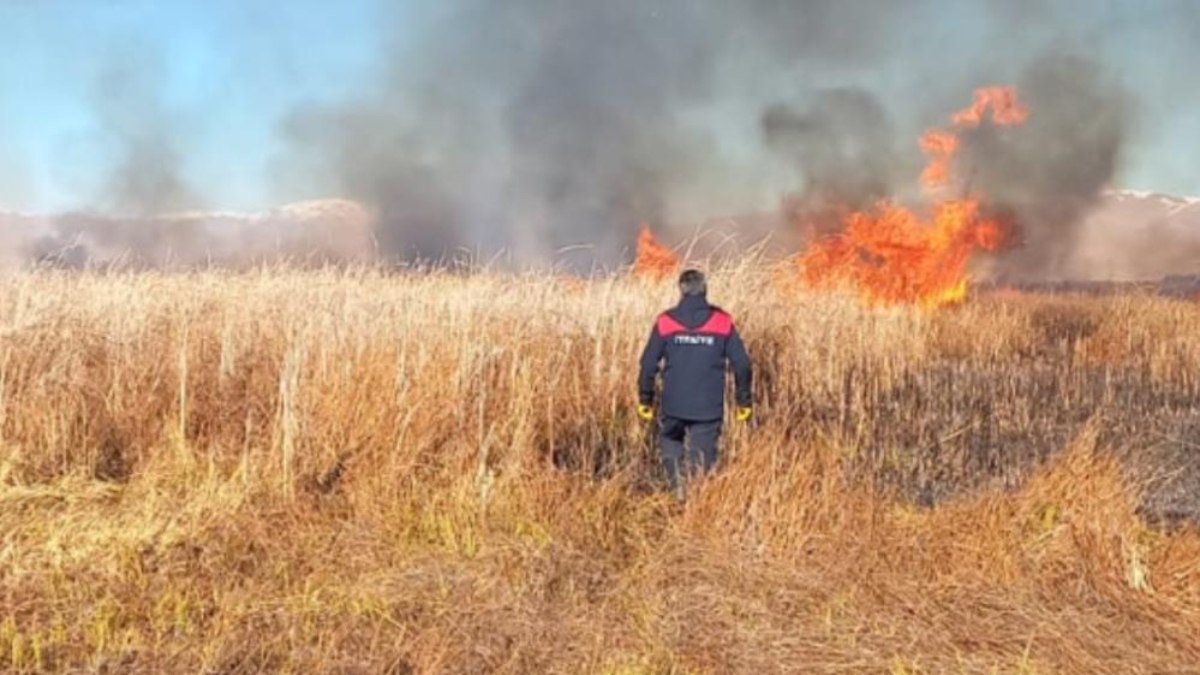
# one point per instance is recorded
(436, 472)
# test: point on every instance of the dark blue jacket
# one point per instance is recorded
(694, 340)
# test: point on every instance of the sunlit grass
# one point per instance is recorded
(357, 471)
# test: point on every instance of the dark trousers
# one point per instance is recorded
(688, 447)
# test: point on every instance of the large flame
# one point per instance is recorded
(654, 260)
(892, 255)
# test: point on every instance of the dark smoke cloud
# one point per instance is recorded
(817, 33)
(375, 158)
(593, 143)
(541, 126)
(574, 120)
(1049, 173)
(1044, 177)
(146, 175)
(842, 142)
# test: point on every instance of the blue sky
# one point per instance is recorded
(227, 71)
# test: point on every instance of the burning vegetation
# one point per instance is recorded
(654, 259)
(383, 466)
(893, 254)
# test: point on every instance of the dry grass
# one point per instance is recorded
(355, 472)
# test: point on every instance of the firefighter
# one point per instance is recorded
(693, 342)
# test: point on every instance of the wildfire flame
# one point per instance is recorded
(654, 260)
(892, 255)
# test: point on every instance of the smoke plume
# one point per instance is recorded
(538, 126)
(842, 144)
(1050, 172)
(144, 180)
(551, 130)
(146, 174)
(146, 212)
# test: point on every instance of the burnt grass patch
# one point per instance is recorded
(948, 428)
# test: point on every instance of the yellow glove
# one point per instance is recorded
(744, 414)
(645, 412)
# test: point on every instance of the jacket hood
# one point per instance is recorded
(692, 311)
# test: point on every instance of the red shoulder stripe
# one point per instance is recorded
(718, 323)
(668, 326)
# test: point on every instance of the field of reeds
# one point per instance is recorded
(440, 472)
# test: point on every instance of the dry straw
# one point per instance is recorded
(360, 471)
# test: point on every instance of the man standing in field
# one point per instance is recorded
(693, 341)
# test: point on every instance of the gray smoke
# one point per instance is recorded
(145, 178)
(842, 143)
(1047, 174)
(551, 130)
(146, 174)
(146, 212)
(593, 146)
(309, 233)
(536, 125)
(1042, 177)
(375, 158)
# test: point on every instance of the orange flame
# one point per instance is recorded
(654, 260)
(1002, 101)
(940, 146)
(894, 256)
